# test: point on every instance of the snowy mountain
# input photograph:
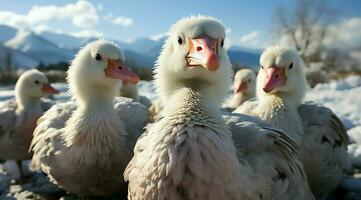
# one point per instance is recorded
(155, 50)
(6, 33)
(143, 51)
(245, 49)
(136, 52)
(142, 45)
(51, 48)
(244, 58)
(137, 60)
(18, 60)
(65, 41)
(38, 48)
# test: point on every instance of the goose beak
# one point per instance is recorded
(47, 88)
(276, 76)
(241, 87)
(203, 52)
(118, 70)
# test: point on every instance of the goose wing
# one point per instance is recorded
(274, 157)
(8, 119)
(324, 147)
(48, 140)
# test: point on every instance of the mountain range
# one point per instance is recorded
(28, 49)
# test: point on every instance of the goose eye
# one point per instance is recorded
(222, 43)
(262, 67)
(291, 65)
(180, 40)
(98, 57)
(36, 82)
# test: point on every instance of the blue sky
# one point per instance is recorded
(247, 21)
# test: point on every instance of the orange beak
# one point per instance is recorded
(48, 89)
(241, 87)
(276, 76)
(118, 70)
(203, 52)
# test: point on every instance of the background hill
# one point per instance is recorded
(46, 50)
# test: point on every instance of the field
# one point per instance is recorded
(342, 96)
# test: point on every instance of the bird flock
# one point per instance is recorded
(192, 143)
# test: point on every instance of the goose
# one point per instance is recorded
(281, 86)
(18, 116)
(84, 145)
(244, 88)
(189, 153)
(130, 90)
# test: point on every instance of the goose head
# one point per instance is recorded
(97, 72)
(281, 74)
(245, 81)
(31, 86)
(194, 53)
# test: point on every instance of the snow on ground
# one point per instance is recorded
(146, 88)
(343, 97)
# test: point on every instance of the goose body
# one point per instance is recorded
(18, 116)
(190, 153)
(84, 145)
(187, 156)
(322, 137)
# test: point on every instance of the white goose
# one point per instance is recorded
(189, 153)
(281, 86)
(18, 116)
(85, 145)
(244, 88)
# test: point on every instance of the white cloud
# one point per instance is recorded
(249, 37)
(12, 19)
(41, 28)
(88, 33)
(83, 14)
(123, 21)
(251, 40)
(158, 36)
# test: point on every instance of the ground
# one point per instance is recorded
(343, 97)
